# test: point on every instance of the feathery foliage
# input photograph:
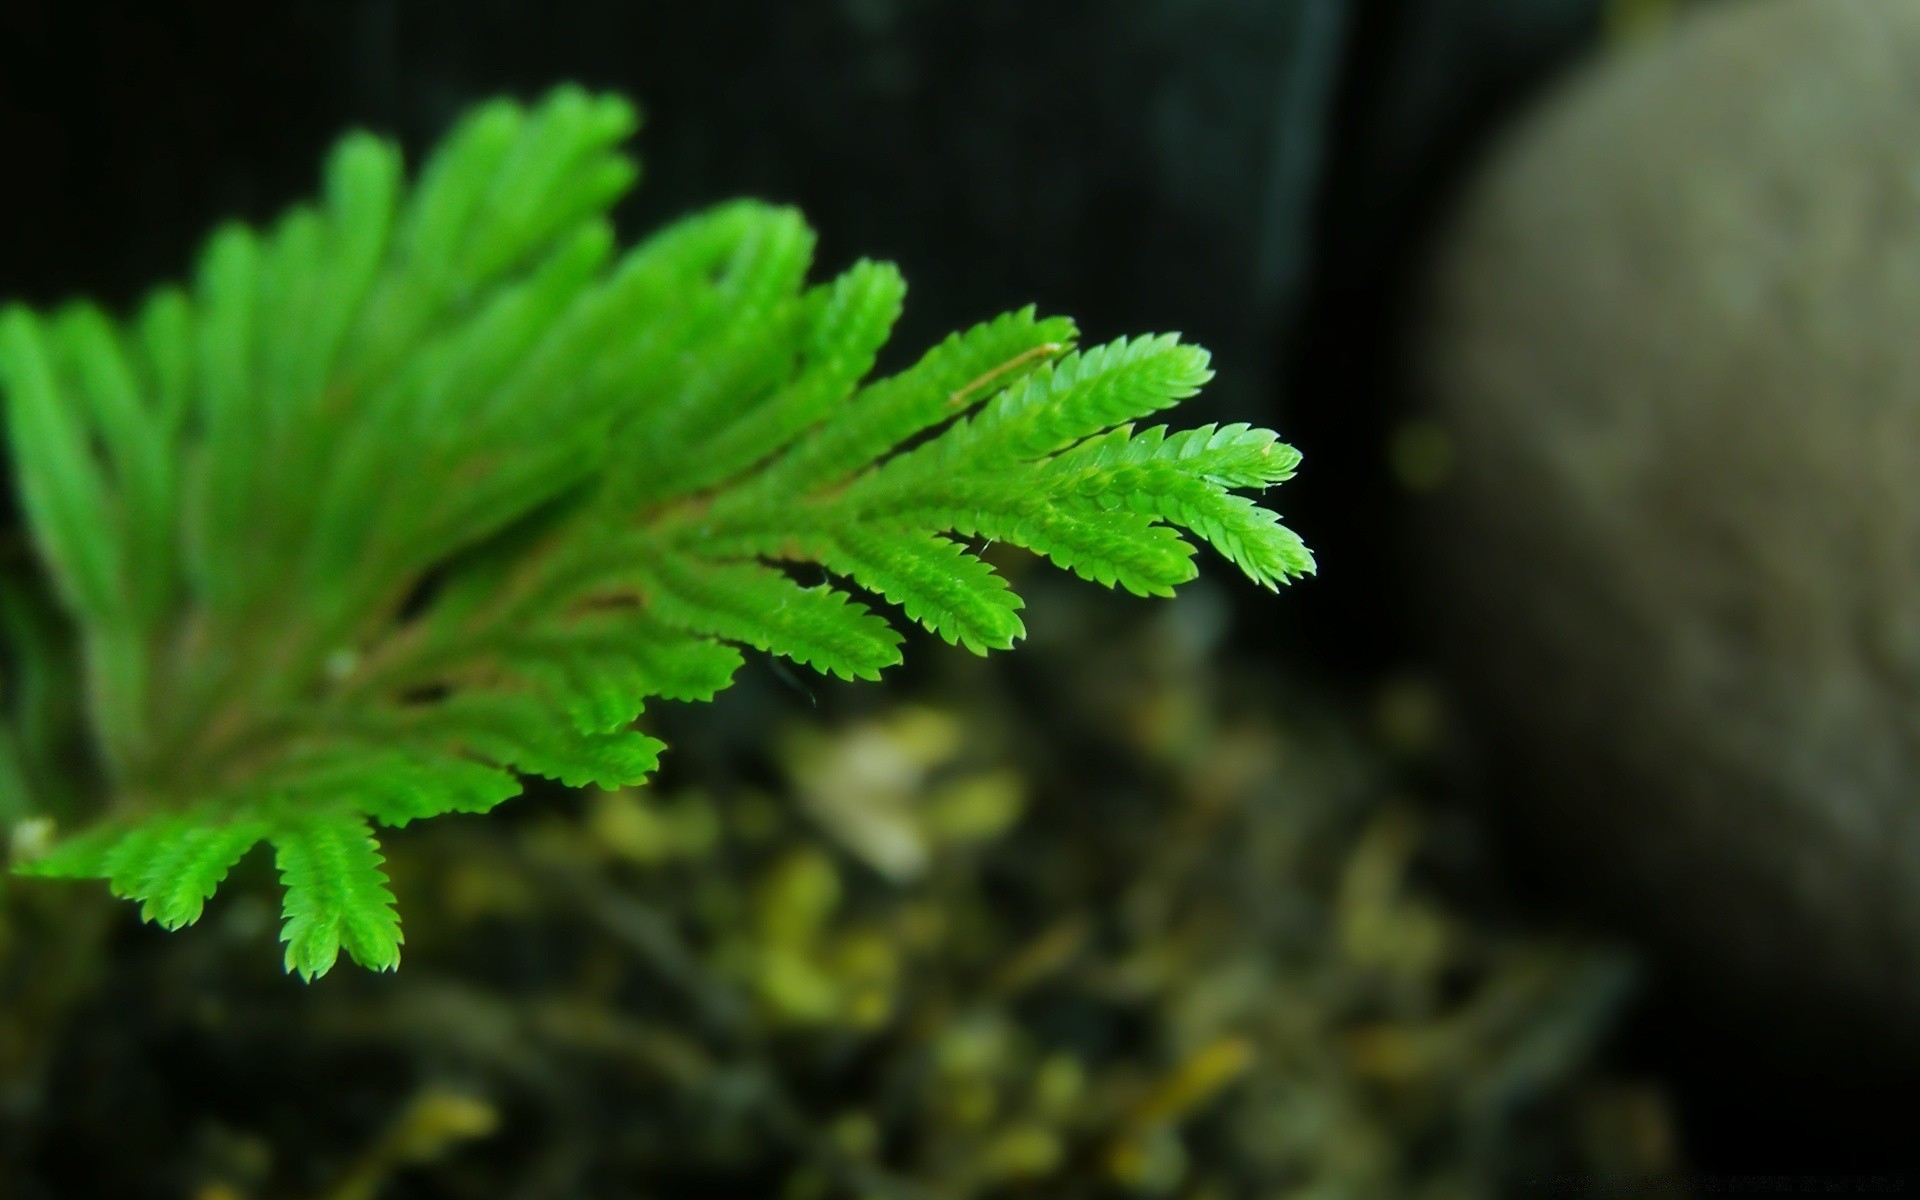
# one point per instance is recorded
(429, 487)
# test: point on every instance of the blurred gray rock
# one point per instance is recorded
(1675, 335)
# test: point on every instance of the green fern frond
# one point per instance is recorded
(337, 895)
(426, 488)
(933, 580)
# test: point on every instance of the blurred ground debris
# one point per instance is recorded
(1107, 924)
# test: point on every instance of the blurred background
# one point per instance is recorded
(1565, 823)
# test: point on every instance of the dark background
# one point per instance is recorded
(1261, 175)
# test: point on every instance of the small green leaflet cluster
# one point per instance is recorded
(427, 488)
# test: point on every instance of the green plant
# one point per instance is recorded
(426, 489)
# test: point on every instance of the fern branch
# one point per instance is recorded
(429, 487)
(337, 895)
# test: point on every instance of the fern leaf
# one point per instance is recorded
(1083, 394)
(437, 220)
(1110, 548)
(855, 316)
(337, 895)
(136, 447)
(521, 732)
(61, 485)
(423, 409)
(762, 608)
(183, 870)
(1228, 456)
(393, 786)
(162, 346)
(170, 866)
(220, 492)
(1249, 536)
(934, 580)
(954, 376)
(604, 667)
(428, 487)
(557, 172)
(758, 290)
(1184, 480)
(364, 182)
